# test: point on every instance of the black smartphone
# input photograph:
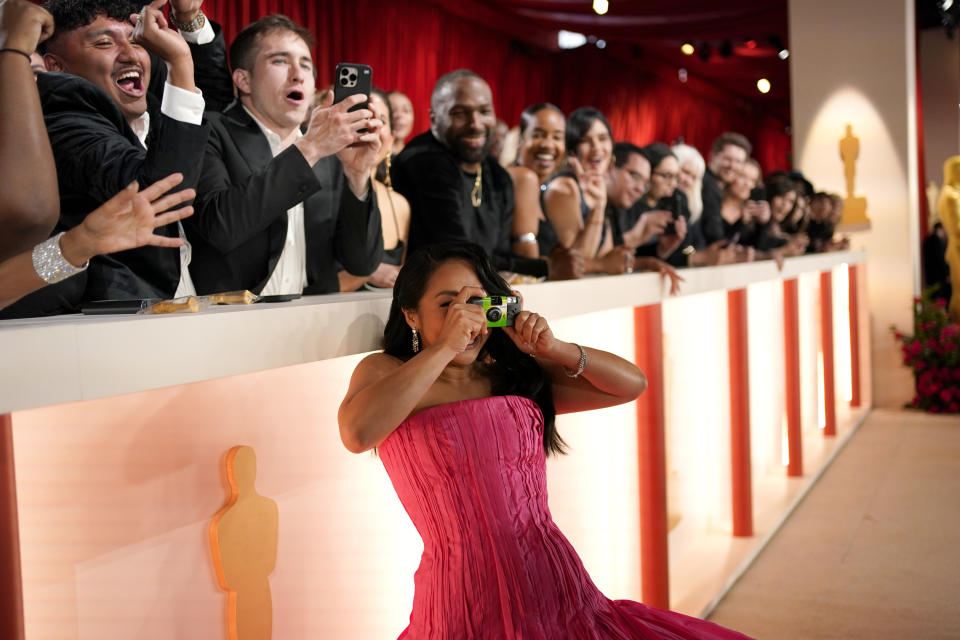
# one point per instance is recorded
(110, 307)
(670, 203)
(758, 194)
(280, 297)
(352, 78)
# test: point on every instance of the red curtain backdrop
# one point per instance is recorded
(410, 43)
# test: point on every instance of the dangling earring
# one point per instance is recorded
(416, 341)
(386, 161)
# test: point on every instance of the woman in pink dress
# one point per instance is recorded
(463, 418)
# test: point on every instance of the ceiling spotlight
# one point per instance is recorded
(601, 6)
(570, 39)
(763, 85)
(601, 44)
(687, 48)
(784, 54)
(682, 74)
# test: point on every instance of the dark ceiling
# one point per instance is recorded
(739, 39)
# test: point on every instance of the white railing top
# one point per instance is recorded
(47, 361)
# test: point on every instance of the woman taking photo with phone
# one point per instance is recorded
(463, 416)
(394, 208)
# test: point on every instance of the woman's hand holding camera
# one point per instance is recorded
(464, 323)
(532, 334)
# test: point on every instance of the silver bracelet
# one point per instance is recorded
(49, 263)
(581, 366)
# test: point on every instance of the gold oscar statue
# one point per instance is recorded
(243, 538)
(949, 210)
(854, 206)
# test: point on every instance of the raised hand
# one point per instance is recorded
(24, 25)
(464, 323)
(185, 11)
(332, 127)
(154, 34)
(128, 220)
(592, 183)
(531, 332)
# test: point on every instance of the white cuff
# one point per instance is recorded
(203, 35)
(182, 105)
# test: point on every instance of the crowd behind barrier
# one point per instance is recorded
(295, 193)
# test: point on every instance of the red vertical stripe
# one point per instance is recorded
(651, 445)
(791, 346)
(11, 590)
(740, 472)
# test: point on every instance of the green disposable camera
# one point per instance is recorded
(499, 311)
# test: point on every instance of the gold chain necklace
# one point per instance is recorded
(476, 196)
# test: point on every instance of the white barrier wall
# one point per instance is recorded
(117, 487)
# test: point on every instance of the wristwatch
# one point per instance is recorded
(194, 25)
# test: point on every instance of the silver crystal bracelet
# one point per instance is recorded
(580, 366)
(49, 263)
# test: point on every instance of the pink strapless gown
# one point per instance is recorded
(472, 477)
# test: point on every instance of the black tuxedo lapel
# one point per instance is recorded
(255, 151)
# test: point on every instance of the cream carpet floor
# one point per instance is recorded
(874, 549)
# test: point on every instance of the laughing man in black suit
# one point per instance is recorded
(279, 211)
(111, 122)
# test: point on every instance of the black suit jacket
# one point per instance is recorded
(240, 221)
(429, 176)
(710, 220)
(97, 155)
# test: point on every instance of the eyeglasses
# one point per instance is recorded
(667, 176)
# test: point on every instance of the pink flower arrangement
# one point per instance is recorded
(933, 353)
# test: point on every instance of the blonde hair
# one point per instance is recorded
(688, 155)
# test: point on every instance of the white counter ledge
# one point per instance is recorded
(47, 361)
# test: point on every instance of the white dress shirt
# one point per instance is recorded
(290, 274)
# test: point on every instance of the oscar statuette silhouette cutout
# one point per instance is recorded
(949, 211)
(854, 206)
(243, 539)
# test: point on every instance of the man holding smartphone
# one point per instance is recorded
(280, 211)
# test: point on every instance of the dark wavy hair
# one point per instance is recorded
(579, 122)
(511, 371)
(73, 14)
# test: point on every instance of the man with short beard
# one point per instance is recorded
(107, 130)
(456, 192)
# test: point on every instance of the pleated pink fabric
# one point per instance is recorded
(472, 477)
